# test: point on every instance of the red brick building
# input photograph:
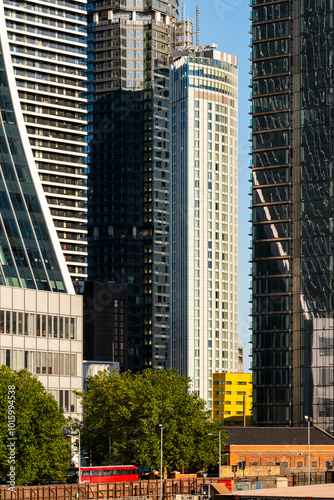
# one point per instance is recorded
(285, 446)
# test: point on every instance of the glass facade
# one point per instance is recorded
(128, 48)
(27, 256)
(292, 221)
(47, 43)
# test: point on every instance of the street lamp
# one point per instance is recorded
(308, 420)
(161, 447)
(220, 451)
(79, 456)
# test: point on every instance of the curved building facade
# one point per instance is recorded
(203, 215)
(46, 43)
(40, 315)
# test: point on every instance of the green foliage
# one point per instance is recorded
(122, 413)
(41, 450)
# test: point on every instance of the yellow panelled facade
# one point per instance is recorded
(232, 392)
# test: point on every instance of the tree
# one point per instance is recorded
(122, 414)
(32, 423)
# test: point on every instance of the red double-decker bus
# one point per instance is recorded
(103, 474)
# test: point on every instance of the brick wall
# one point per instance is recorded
(295, 457)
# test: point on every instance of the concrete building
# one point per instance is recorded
(203, 215)
(232, 398)
(40, 315)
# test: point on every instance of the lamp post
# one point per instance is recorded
(219, 451)
(308, 420)
(161, 448)
(79, 456)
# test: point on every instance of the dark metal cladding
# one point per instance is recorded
(128, 222)
(292, 205)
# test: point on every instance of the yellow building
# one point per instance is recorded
(232, 397)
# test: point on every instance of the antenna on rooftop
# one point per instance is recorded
(197, 25)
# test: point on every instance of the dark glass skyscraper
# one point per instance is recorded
(128, 47)
(292, 214)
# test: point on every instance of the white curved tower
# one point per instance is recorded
(41, 190)
(46, 40)
(203, 215)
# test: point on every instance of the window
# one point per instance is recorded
(61, 328)
(73, 328)
(299, 464)
(38, 325)
(8, 328)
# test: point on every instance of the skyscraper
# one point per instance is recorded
(292, 165)
(203, 214)
(40, 315)
(128, 48)
(47, 42)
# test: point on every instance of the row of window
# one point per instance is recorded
(66, 399)
(39, 325)
(108, 472)
(40, 363)
(228, 382)
(228, 403)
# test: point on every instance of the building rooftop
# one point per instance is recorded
(278, 435)
(315, 492)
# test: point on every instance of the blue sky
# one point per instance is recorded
(226, 23)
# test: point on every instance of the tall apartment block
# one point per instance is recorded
(41, 51)
(203, 215)
(128, 48)
(47, 42)
(292, 214)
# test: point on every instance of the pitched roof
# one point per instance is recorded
(277, 435)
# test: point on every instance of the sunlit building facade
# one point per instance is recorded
(292, 219)
(47, 43)
(40, 315)
(232, 399)
(203, 215)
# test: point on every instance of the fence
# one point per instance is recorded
(301, 479)
(173, 489)
(137, 490)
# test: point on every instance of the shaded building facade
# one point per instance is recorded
(128, 48)
(105, 323)
(292, 214)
